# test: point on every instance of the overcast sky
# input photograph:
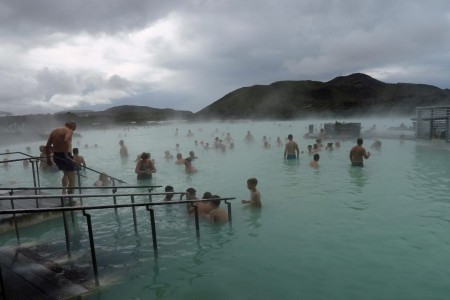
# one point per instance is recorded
(185, 54)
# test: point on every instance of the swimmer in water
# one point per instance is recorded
(358, 153)
(291, 151)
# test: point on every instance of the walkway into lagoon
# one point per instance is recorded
(57, 268)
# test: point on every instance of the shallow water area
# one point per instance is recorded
(336, 232)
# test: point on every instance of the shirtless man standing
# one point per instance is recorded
(358, 153)
(60, 142)
(291, 150)
(123, 149)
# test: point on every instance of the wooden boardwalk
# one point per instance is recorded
(6, 221)
(28, 275)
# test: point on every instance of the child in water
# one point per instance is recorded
(188, 166)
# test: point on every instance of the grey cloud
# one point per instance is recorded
(223, 45)
(47, 16)
(53, 82)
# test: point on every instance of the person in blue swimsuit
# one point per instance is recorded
(291, 151)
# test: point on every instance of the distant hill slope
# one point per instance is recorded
(354, 95)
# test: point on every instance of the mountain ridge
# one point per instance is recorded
(353, 95)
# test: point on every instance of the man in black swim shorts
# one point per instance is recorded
(60, 144)
(63, 161)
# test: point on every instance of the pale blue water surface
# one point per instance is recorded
(338, 232)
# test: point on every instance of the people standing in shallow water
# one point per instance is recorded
(60, 143)
(103, 180)
(145, 167)
(291, 151)
(192, 155)
(249, 139)
(180, 159)
(168, 189)
(279, 142)
(167, 155)
(202, 207)
(358, 153)
(315, 161)
(46, 162)
(217, 214)
(376, 145)
(123, 149)
(188, 166)
(80, 164)
(255, 195)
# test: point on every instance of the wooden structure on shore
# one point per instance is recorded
(433, 122)
(336, 129)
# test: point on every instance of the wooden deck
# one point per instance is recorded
(6, 221)
(28, 275)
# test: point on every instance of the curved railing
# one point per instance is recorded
(63, 209)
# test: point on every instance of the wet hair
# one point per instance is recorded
(215, 200)
(359, 141)
(75, 151)
(207, 195)
(71, 124)
(168, 188)
(145, 155)
(316, 157)
(253, 181)
(290, 137)
(191, 190)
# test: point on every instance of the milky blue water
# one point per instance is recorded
(338, 232)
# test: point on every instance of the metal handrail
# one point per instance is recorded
(150, 187)
(70, 196)
(41, 159)
(96, 207)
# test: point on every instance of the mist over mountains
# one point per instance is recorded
(356, 95)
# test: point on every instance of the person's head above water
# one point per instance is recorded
(71, 125)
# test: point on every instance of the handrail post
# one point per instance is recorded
(2, 284)
(229, 211)
(66, 231)
(37, 173)
(150, 195)
(79, 179)
(197, 226)
(115, 199)
(34, 183)
(134, 215)
(152, 223)
(92, 246)
(15, 223)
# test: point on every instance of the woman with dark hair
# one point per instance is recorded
(145, 167)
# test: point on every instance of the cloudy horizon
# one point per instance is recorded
(186, 54)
